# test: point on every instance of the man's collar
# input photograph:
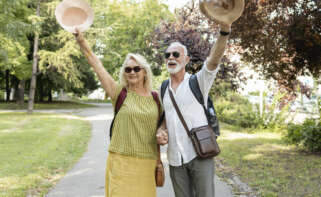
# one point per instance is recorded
(186, 77)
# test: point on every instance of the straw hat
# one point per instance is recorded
(226, 11)
(72, 14)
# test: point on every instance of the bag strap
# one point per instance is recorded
(155, 97)
(120, 100)
(179, 113)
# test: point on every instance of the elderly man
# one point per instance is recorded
(191, 176)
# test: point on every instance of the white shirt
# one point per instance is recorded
(180, 148)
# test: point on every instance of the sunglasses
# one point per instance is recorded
(136, 69)
(175, 54)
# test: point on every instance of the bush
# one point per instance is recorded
(273, 117)
(237, 110)
(307, 135)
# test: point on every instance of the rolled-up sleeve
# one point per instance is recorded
(205, 79)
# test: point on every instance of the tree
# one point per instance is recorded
(34, 65)
(14, 44)
(196, 32)
(126, 26)
(281, 39)
(120, 27)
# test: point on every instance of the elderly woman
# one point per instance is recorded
(133, 150)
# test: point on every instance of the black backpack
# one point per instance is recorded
(209, 111)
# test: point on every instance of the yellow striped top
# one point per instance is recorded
(134, 130)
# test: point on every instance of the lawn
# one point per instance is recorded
(37, 150)
(268, 165)
(45, 105)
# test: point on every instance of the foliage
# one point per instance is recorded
(158, 79)
(59, 60)
(192, 29)
(228, 78)
(120, 27)
(281, 39)
(123, 27)
(235, 109)
(275, 116)
(189, 29)
(13, 40)
(307, 135)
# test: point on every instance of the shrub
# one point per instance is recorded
(273, 117)
(237, 110)
(307, 135)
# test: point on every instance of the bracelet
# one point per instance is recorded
(224, 33)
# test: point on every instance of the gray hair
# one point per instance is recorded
(178, 44)
(143, 63)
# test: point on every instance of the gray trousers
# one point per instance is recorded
(194, 179)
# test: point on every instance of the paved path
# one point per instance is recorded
(86, 178)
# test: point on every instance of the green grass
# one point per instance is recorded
(45, 105)
(268, 165)
(95, 101)
(36, 151)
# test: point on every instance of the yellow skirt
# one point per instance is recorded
(130, 176)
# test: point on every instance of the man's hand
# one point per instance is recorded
(162, 136)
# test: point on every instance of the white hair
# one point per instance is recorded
(178, 44)
(143, 63)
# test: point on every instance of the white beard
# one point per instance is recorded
(176, 69)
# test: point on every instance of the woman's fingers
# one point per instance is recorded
(162, 136)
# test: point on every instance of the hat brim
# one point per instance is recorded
(220, 14)
(82, 8)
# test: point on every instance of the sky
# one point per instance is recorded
(175, 4)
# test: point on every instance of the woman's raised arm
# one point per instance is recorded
(105, 78)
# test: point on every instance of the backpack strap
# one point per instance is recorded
(120, 100)
(195, 88)
(156, 99)
(193, 84)
(163, 88)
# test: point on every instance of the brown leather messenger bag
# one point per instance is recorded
(203, 137)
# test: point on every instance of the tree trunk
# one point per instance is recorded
(21, 92)
(8, 90)
(49, 95)
(34, 68)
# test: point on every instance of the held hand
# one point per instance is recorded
(162, 136)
